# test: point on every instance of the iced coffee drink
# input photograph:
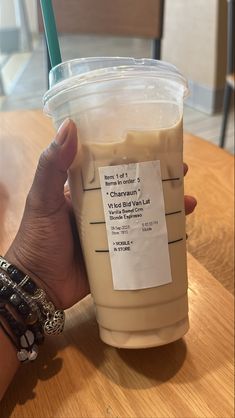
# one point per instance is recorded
(128, 316)
(127, 192)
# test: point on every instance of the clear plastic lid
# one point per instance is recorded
(80, 72)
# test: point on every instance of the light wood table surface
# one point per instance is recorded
(76, 374)
(211, 227)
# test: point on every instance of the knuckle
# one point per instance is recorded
(45, 159)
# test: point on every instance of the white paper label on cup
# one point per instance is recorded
(136, 225)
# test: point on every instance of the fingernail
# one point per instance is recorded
(194, 201)
(62, 132)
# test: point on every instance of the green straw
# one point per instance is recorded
(51, 32)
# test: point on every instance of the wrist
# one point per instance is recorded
(37, 315)
(8, 362)
(14, 258)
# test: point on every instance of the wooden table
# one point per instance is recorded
(211, 227)
(76, 374)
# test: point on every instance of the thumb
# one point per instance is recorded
(47, 190)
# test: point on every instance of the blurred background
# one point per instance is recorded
(196, 36)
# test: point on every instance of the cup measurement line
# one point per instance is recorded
(97, 222)
(92, 188)
(169, 242)
(171, 179)
(176, 240)
(88, 189)
(173, 213)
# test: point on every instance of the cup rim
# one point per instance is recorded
(83, 71)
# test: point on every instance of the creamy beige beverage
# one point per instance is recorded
(127, 191)
(142, 317)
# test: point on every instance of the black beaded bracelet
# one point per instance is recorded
(39, 316)
(52, 319)
(13, 295)
(26, 339)
(35, 327)
(22, 279)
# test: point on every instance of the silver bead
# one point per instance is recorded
(31, 318)
(39, 295)
(54, 324)
(4, 264)
(32, 355)
(22, 355)
(25, 356)
(15, 299)
(27, 339)
(24, 281)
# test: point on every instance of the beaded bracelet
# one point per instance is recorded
(51, 319)
(26, 339)
(30, 303)
(12, 294)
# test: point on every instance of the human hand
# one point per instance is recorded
(189, 201)
(46, 246)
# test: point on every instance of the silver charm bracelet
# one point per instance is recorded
(39, 315)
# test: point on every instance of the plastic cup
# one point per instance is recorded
(127, 191)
